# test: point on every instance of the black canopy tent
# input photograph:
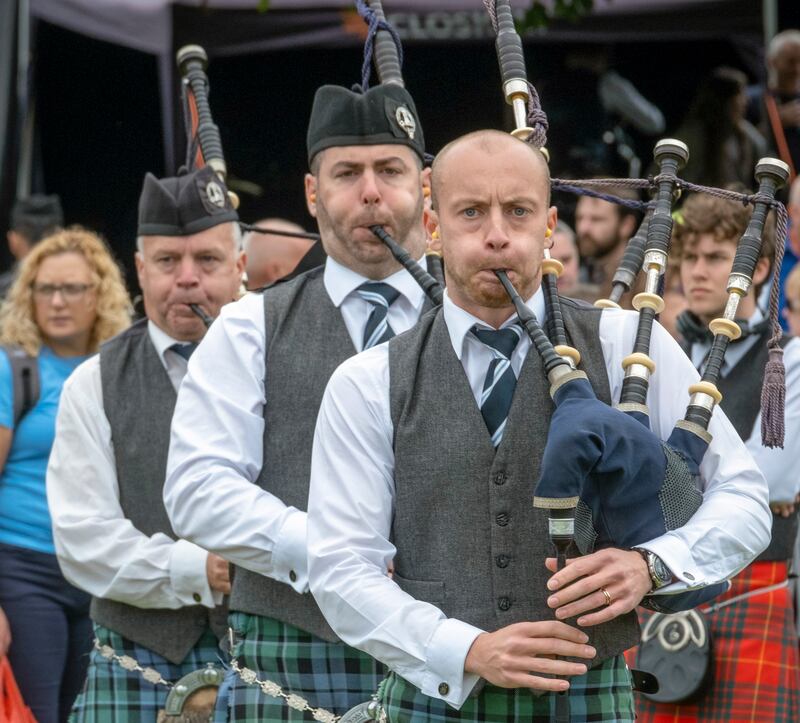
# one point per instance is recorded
(238, 27)
(451, 36)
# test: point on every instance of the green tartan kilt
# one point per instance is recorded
(112, 694)
(332, 676)
(603, 694)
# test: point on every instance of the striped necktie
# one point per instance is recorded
(185, 350)
(498, 388)
(381, 296)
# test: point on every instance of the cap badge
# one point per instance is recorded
(406, 121)
(215, 194)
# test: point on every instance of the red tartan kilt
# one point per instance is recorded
(756, 673)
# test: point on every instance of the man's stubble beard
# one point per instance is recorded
(371, 264)
(490, 297)
(602, 250)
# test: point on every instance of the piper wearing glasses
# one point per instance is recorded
(68, 298)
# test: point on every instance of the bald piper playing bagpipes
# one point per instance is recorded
(425, 455)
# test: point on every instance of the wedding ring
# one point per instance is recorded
(607, 596)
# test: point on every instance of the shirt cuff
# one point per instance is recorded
(447, 650)
(290, 556)
(678, 558)
(187, 572)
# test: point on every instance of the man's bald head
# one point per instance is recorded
(272, 256)
(487, 142)
(492, 211)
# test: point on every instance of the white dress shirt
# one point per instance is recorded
(352, 497)
(216, 449)
(780, 466)
(98, 548)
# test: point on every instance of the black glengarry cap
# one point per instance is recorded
(385, 114)
(183, 205)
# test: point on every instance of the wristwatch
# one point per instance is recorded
(660, 574)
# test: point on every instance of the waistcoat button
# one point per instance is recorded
(503, 603)
(503, 560)
(501, 519)
(499, 478)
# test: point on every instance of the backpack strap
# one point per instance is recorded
(779, 134)
(25, 379)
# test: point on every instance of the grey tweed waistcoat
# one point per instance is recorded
(468, 538)
(138, 399)
(306, 339)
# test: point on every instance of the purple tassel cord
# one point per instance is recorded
(773, 400)
(773, 390)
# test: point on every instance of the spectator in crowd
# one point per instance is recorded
(776, 108)
(603, 231)
(723, 146)
(68, 298)
(32, 219)
(272, 256)
(791, 311)
(752, 629)
(792, 251)
(565, 250)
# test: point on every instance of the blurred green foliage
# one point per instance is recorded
(540, 15)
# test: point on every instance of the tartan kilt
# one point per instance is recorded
(755, 653)
(332, 676)
(603, 694)
(112, 694)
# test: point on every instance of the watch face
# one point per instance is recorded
(661, 570)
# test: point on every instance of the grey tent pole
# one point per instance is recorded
(166, 81)
(26, 102)
(769, 18)
(8, 30)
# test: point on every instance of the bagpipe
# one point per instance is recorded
(635, 486)
(203, 141)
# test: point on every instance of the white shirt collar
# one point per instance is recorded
(758, 316)
(341, 281)
(459, 322)
(736, 352)
(161, 340)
